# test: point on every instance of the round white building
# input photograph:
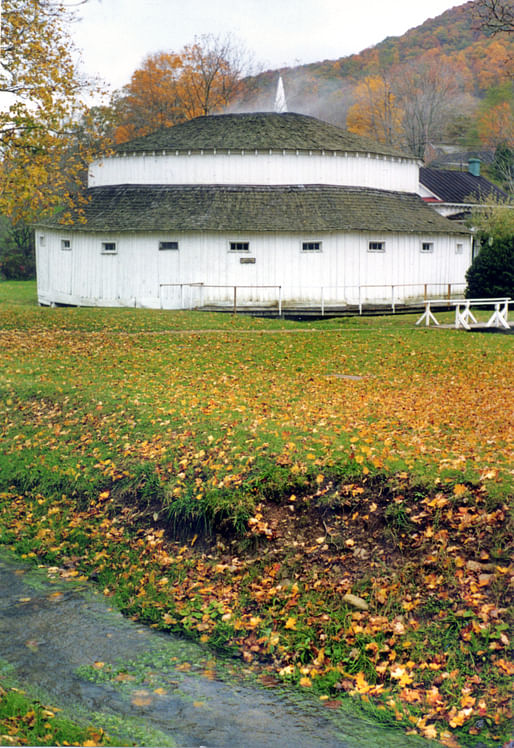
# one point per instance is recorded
(277, 205)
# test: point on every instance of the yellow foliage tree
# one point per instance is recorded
(41, 160)
(376, 112)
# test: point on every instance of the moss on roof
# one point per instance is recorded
(298, 208)
(257, 131)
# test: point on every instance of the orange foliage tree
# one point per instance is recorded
(495, 119)
(151, 99)
(376, 111)
(203, 78)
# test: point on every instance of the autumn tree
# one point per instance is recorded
(168, 88)
(427, 90)
(214, 67)
(41, 88)
(495, 118)
(152, 98)
(377, 112)
(407, 105)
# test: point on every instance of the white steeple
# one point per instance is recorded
(280, 97)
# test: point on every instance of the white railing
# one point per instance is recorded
(203, 286)
(321, 296)
(463, 313)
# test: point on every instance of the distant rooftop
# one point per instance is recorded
(459, 186)
(460, 159)
(257, 131)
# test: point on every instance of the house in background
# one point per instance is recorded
(454, 194)
(279, 204)
(452, 157)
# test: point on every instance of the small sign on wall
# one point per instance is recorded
(247, 260)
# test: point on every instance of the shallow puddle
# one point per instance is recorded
(61, 641)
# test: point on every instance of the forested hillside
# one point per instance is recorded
(447, 80)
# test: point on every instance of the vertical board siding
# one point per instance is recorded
(278, 168)
(132, 276)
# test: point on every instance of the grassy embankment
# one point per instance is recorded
(328, 501)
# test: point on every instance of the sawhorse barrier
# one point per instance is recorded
(463, 313)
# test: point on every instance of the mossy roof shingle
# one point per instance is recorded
(296, 208)
(257, 131)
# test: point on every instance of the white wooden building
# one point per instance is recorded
(276, 204)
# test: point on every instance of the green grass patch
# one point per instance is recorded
(235, 479)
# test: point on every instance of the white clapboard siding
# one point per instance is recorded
(134, 275)
(363, 170)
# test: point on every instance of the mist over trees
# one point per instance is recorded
(448, 81)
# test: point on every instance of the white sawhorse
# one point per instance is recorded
(499, 318)
(463, 313)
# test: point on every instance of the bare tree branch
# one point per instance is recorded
(495, 16)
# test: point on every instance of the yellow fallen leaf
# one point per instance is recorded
(361, 683)
(430, 732)
(291, 623)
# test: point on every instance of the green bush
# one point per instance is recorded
(491, 273)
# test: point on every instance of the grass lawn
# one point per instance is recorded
(327, 500)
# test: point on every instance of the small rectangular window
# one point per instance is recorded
(376, 247)
(168, 245)
(459, 248)
(427, 246)
(108, 248)
(311, 246)
(65, 244)
(239, 246)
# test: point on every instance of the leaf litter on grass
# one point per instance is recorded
(291, 491)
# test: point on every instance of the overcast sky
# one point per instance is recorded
(115, 35)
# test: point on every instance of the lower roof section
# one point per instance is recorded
(255, 208)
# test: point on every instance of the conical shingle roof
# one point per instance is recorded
(257, 131)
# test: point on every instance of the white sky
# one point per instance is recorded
(115, 35)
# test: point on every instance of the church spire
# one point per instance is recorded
(280, 97)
